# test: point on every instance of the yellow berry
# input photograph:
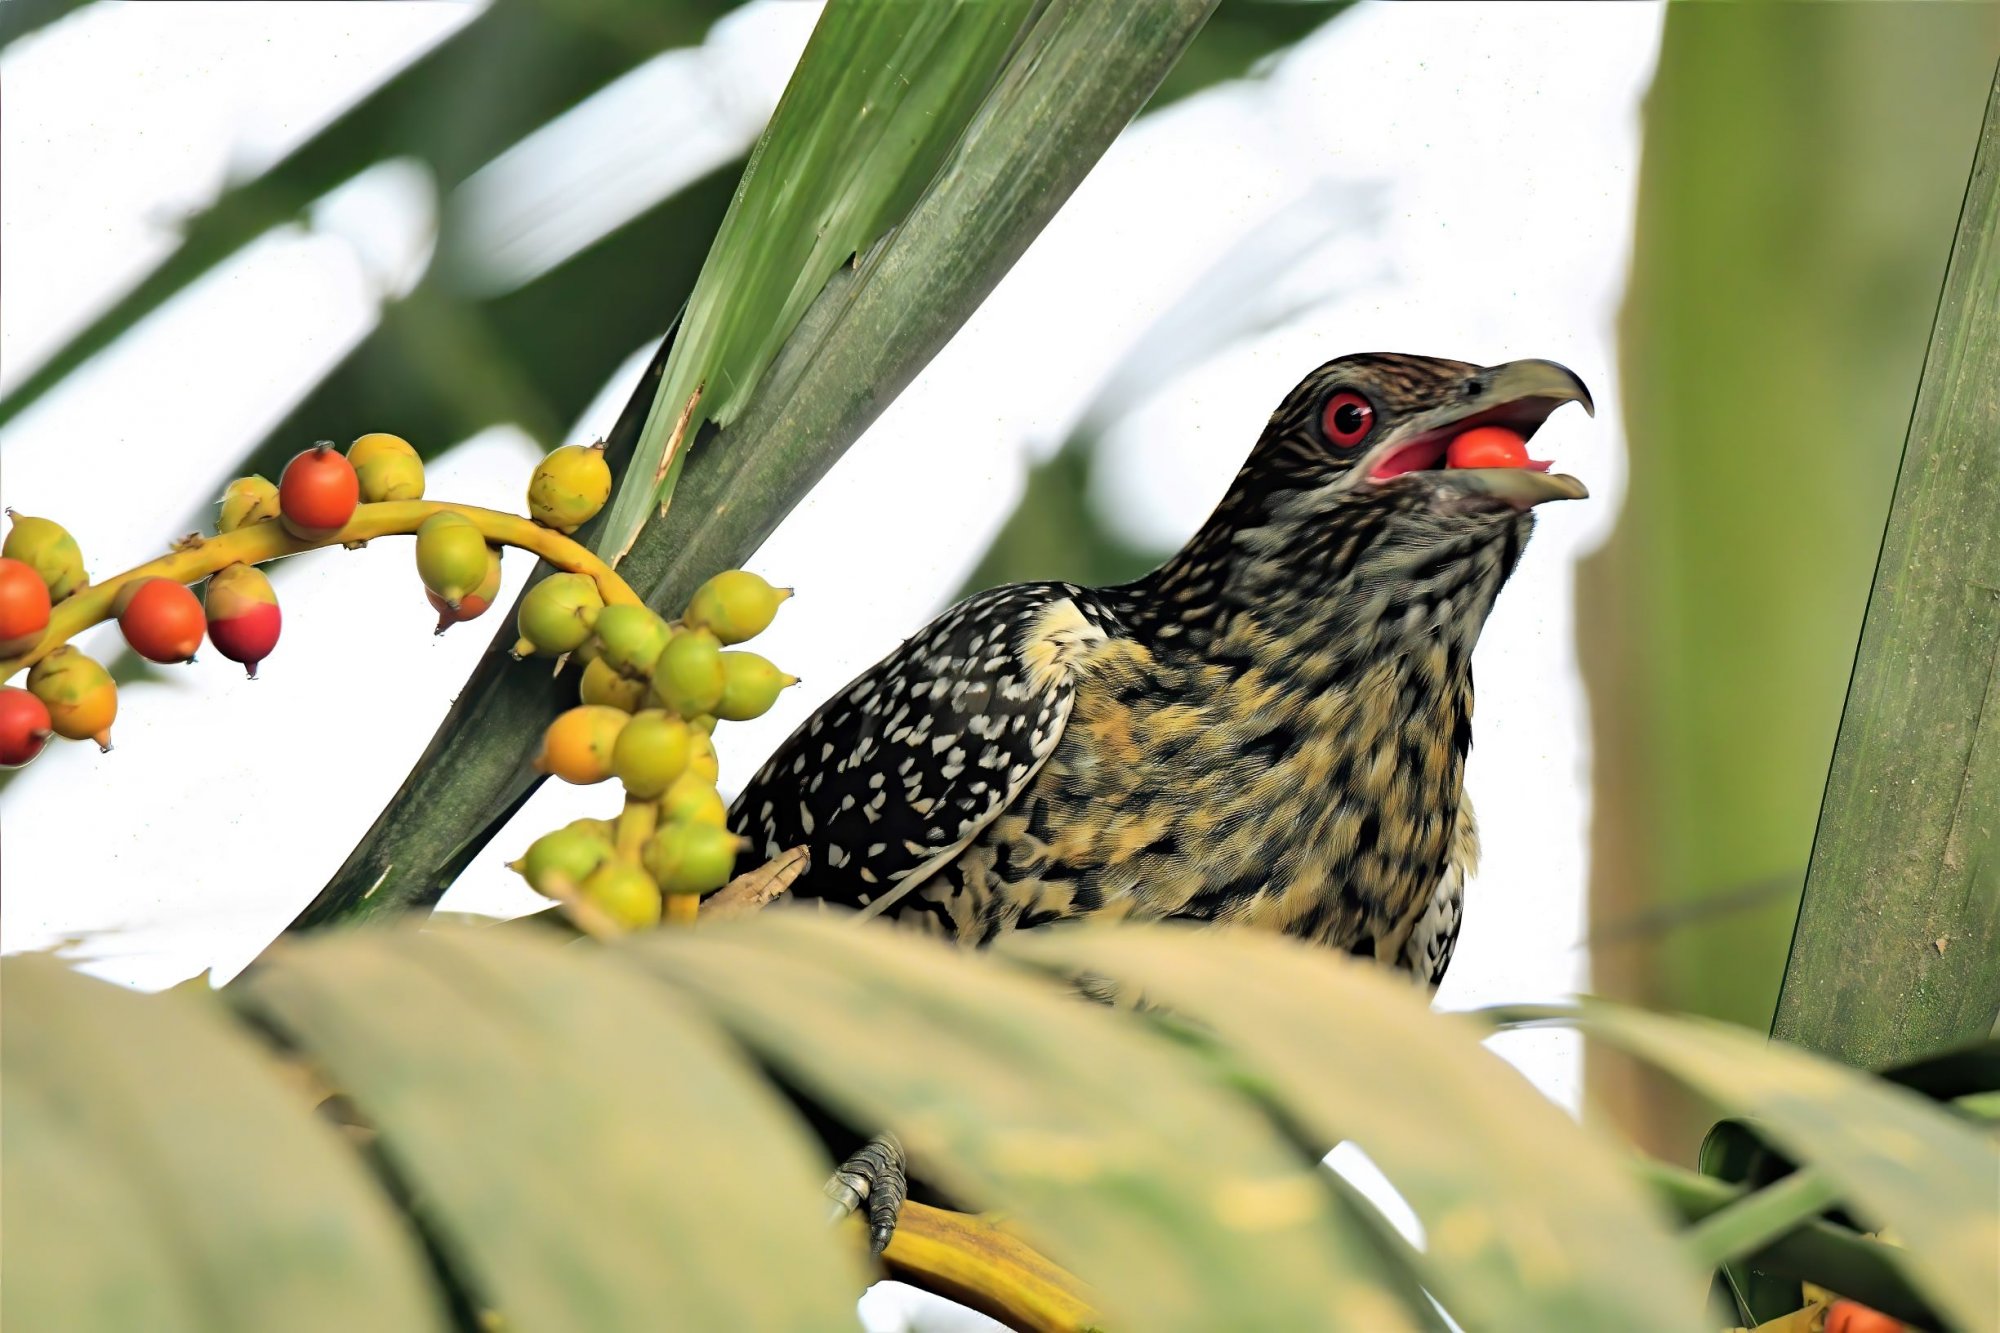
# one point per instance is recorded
(651, 752)
(692, 858)
(625, 893)
(602, 685)
(688, 676)
(379, 444)
(82, 699)
(391, 477)
(569, 487)
(735, 605)
(45, 546)
(245, 501)
(750, 685)
(557, 615)
(577, 746)
(702, 757)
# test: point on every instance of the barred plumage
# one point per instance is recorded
(1270, 729)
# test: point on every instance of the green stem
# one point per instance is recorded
(1816, 1251)
(1755, 1220)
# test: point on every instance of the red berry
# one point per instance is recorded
(243, 615)
(1488, 446)
(24, 606)
(318, 492)
(24, 726)
(162, 621)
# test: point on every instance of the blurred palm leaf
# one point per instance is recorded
(22, 17)
(558, 1135)
(1802, 171)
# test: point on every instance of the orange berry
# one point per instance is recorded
(578, 745)
(162, 620)
(318, 492)
(24, 726)
(24, 606)
(1854, 1317)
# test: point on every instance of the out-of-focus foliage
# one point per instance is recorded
(1897, 951)
(1803, 167)
(569, 1135)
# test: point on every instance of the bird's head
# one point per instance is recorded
(1377, 429)
(1364, 499)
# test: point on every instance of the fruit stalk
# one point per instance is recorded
(268, 540)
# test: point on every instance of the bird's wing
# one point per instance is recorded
(900, 771)
(1427, 952)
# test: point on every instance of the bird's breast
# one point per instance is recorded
(1271, 789)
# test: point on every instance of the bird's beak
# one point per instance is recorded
(1518, 395)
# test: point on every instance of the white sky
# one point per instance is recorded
(1498, 144)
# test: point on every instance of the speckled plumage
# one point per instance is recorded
(1271, 729)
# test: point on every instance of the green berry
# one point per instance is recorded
(602, 685)
(692, 858)
(451, 556)
(750, 685)
(688, 676)
(651, 752)
(693, 799)
(630, 638)
(557, 615)
(625, 893)
(565, 857)
(735, 605)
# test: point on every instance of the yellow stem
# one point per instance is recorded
(268, 540)
(977, 1263)
(636, 823)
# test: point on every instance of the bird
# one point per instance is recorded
(1269, 730)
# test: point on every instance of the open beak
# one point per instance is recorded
(1518, 395)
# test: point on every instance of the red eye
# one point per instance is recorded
(1347, 419)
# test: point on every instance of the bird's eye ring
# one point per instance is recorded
(1347, 419)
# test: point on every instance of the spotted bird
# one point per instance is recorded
(1270, 729)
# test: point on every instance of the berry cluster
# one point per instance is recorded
(651, 692)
